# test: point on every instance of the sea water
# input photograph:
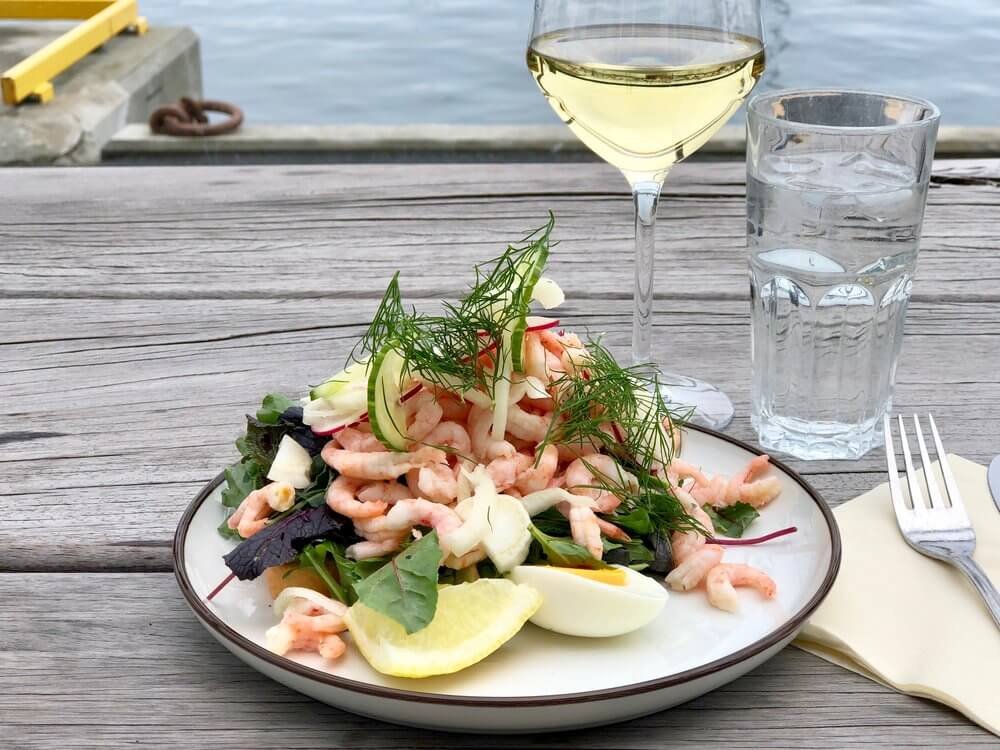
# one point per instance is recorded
(833, 240)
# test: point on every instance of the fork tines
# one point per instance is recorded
(953, 505)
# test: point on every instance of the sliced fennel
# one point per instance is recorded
(340, 401)
(501, 521)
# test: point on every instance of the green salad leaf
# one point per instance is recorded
(313, 557)
(349, 572)
(259, 443)
(322, 475)
(637, 520)
(635, 554)
(565, 553)
(406, 588)
(733, 520)
(273, 406)
(242, 478)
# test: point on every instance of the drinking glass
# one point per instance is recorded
(644, 83)
(836, 186)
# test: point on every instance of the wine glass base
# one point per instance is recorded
(711, 407)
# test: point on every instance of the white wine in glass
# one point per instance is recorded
(643, 85)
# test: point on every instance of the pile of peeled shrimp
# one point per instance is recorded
(388, 494)
(696, 562)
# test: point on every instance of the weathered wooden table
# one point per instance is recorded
(146, 309)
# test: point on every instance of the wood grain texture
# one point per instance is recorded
(74, 676)
(342, 231)
(143, 311)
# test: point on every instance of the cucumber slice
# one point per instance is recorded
(385, 399)
(357, 371)
(530, 270)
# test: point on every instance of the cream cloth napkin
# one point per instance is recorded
(910, 622)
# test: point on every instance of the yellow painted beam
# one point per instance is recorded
(33, 75)
(50, 10)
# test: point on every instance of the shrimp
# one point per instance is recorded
(423, 414)
(535, 358)
(585, 530)
(567, 347)
(251, 516)
(686, 543)
(679, 468)
(720, 491)
(438, 482)
(353, 439)
(572, 451)
(761, 492)
(379, 465)
(504, 471)
(341, 497)
(581, 480)
(613, 532)
(692, 571)
(722, 579)
(484, 446)
(450, 435)
(527, 426)
(453, 409)
(373, 527)
(538, 475)
(306, 626)
(388, 491)
(369, 549)
(449, 525)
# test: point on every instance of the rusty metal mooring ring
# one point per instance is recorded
(187, 118)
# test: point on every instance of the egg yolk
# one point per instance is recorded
(610, 576)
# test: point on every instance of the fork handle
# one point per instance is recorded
(986, 589)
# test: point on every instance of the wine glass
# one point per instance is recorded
(644, 83)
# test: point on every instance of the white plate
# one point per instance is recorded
(539, 680)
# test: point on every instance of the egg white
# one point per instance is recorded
(578, 606)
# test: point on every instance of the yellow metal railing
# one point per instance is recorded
(102, 19)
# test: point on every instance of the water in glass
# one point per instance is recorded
(833, 240)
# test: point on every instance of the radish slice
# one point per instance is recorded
(333, 426)
(540, 324)
(286, 597)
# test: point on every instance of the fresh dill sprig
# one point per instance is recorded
(501, 296)
(621, 411)
(386, 323)
(464, 348)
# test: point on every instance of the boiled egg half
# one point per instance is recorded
(592, 603)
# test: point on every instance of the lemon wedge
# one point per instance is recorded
(471, 622)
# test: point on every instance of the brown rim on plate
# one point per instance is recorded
(222, 629)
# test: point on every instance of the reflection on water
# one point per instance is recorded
(462, 61)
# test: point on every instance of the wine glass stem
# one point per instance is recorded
(645, 195)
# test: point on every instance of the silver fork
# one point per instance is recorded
(942, 531)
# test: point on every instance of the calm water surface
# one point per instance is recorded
(462, 61)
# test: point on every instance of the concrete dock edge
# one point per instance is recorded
(389, 143)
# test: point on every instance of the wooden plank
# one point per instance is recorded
(319, 232)
(77, 671)
(116, 411)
